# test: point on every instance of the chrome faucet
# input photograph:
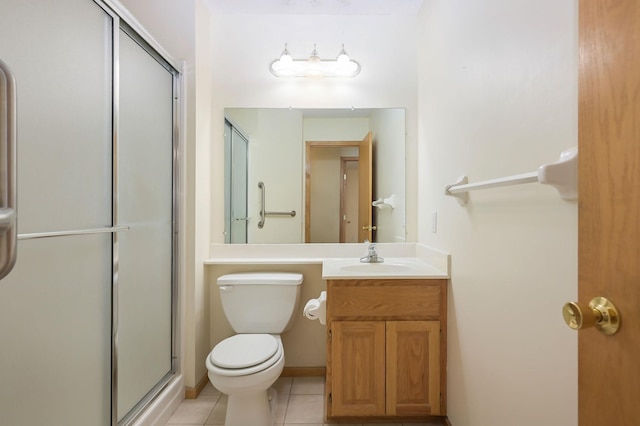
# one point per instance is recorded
(372, 256)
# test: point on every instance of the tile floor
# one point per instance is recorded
(300, 403)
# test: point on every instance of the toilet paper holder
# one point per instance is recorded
(316, 309)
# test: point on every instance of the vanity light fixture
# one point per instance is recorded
(314, 66)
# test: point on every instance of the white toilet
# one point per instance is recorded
(259, 306)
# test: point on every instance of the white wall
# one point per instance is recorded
(498, 96)
(198, 309)
(335, 129)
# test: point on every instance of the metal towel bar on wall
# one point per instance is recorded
(263, 210)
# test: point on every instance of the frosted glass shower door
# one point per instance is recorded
(146, 268)
(55, 306)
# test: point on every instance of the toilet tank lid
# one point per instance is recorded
(267, 278)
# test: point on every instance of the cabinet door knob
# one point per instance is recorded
(600, 313)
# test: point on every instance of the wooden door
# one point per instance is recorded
(365, 189)
(358, 368)
(609, 207)
(413, 385)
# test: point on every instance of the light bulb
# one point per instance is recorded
(343, 58)
(286, 57)
(284, 66)
(314, 69)
(345, 67)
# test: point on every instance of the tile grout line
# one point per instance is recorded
(286, 408)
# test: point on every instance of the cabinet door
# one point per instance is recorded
(413, 368)
(358, 366)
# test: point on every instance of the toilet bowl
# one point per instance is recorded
(259, 306)
(247, 376)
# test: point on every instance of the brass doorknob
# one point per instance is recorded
(369, 228)
(600, 313)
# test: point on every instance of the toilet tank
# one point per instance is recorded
(260, 302)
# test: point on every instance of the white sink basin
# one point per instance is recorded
(391, 268)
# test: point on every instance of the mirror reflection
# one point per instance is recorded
(314, 175)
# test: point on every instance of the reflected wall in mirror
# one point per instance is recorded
(321, 172)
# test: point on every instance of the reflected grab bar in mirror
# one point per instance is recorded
(263, 210)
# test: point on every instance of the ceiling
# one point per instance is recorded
(314, 7)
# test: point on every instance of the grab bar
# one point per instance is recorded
(562, 175)
(35, 235)
(8, 231)
(263, 211)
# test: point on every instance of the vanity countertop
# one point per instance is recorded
(395, 267)
(340, 261)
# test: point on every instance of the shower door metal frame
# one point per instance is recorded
(123, 20)
(229, 185)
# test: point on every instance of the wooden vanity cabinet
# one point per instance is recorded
(386, 349)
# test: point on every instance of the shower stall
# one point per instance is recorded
(88, 314)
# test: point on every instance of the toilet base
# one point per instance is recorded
(250, 398)
(253, 408)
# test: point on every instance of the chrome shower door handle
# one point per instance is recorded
(8, 226)
(7, 218)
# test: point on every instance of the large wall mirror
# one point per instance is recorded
(314, 175)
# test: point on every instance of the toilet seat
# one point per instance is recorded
(245, 354)
(244, 350)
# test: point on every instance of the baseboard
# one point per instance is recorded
(192, 393)
(304, 372)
